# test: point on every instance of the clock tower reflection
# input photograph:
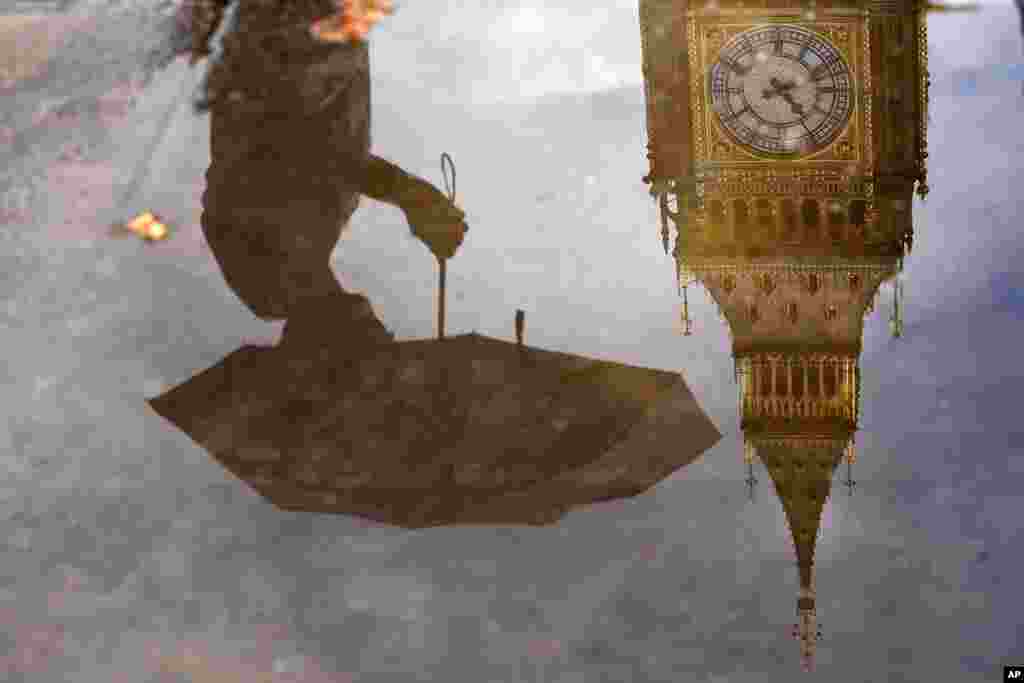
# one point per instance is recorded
(786, 141)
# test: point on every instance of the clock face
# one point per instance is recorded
(781, 90)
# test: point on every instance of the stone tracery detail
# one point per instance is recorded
(795, 265)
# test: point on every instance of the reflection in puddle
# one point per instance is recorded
(785, 149)
(791, 241)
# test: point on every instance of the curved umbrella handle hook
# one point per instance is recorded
(446, 163)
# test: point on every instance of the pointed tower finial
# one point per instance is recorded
(663, 205)
(748, 451)
(806, 629)
(850, 457)
(751, 480)
(687, 323)
(896, 322)
(923, 189)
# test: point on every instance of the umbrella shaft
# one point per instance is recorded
(440, 298)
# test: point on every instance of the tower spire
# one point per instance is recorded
(802, 469)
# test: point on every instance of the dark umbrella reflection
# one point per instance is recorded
(465, 430)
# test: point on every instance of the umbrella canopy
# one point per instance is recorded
(464, 430)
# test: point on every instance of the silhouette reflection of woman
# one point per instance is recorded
(290, 156)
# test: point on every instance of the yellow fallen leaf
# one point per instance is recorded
(156, 231)
(141, 223)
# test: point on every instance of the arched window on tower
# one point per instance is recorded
(809, 217)
(899, 208)
(855, 282)
(766, 379)
(753, 313)
(831, 385)
(836, 221)
(728, 284)
(789, 220)
(741, 217)
(813, 283)
(858, 212)
(791, 312)
(767, 283)
(797, 381)
(765, 218)
(812, 380)
(895, 95)
(831, 312)
(717, 218)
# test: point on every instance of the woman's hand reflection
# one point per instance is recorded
(433, 218)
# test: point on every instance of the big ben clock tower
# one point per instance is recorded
(786, 140)
(768, 99)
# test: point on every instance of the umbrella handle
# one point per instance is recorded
(449, 187)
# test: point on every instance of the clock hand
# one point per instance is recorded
(797, 108)
(778, 88)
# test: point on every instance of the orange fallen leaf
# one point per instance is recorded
(353, 22)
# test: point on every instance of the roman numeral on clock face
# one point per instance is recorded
(719, 88)
(736, 114)
(819, 72)
(736, 67)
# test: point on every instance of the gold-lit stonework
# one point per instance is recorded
(844, 39)
(792, 245)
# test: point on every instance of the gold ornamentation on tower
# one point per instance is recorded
(791, 122)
